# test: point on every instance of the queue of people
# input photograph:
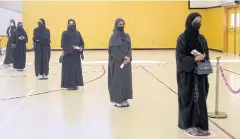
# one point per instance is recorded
(192, 88)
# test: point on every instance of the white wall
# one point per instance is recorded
(11, 5)
(6, 16)
(204, 3)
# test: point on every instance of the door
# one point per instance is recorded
(234, 30)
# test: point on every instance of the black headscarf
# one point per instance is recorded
(73, 27)
(71, 30)
(11, 29)
(43, 23)
(19, 27)
(118, 32)
(14, 24)
(192, 34)
(40, 30)
(20, 31)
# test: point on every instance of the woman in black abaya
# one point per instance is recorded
(73, 45)
(19, 41)
(120, 78)
(9, 50)
(192, 88)
(41, 41)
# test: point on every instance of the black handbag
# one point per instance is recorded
(204, 68)
(61, 59)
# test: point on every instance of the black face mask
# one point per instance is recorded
(196, 25)
(20, 27)
(40, 24)
(72, 27)
(121, 28)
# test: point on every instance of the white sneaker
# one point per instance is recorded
(39, 77)
(45, 76)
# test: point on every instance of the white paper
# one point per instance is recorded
(195, 52)
(121, 66)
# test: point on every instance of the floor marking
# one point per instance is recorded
(106, 62)
(15, 109)
(212, 135)
(140, 62)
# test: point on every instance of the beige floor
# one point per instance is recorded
(32, 109)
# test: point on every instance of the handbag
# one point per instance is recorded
(61, 59)
(204, 68)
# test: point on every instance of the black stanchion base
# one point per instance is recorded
(217, 115)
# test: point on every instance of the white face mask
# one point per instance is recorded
(11, 24)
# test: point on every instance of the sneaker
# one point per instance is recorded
(39, 77)
(193, 131)
(125, 103)
(203, 132)
(45, 76)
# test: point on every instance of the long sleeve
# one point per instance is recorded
(47, 36)
(81, 42)
(67, 48)
(206, 50)
(114, 50)
(8, 32)
(130, 50)
(34, 39)
(26, 37)
(14, 37)
(184, 63)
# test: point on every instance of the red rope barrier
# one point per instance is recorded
(226, 82)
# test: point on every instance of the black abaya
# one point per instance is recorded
(19, 53)
(71, 64)
(9, 50)
(41, 39)
(192, 89)
(119, 79)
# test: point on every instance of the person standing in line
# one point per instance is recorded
(41, 41)
(19, 40)
(192, 88)
(119, 66)
(73, 45)
(9, 50)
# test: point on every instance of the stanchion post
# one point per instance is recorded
(217, 114)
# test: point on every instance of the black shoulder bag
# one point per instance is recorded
(203, 68)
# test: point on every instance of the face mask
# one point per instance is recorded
(72, 27)
(11, 24)
(121, 28)
(196, 25)
(40, 24)
(20, 27)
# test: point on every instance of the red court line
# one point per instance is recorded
(218, 126)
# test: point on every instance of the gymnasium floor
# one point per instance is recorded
(32, 109)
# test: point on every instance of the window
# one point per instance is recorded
(233, 20)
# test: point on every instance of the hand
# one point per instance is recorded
(125, 62)
(80, 48)
(20, 38)
(23, 37)
(127, 58)
(200, 57)
(13, 45)
(74, 47)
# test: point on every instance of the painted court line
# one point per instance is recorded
(140, 62)
(106, 62)
(15, 109)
